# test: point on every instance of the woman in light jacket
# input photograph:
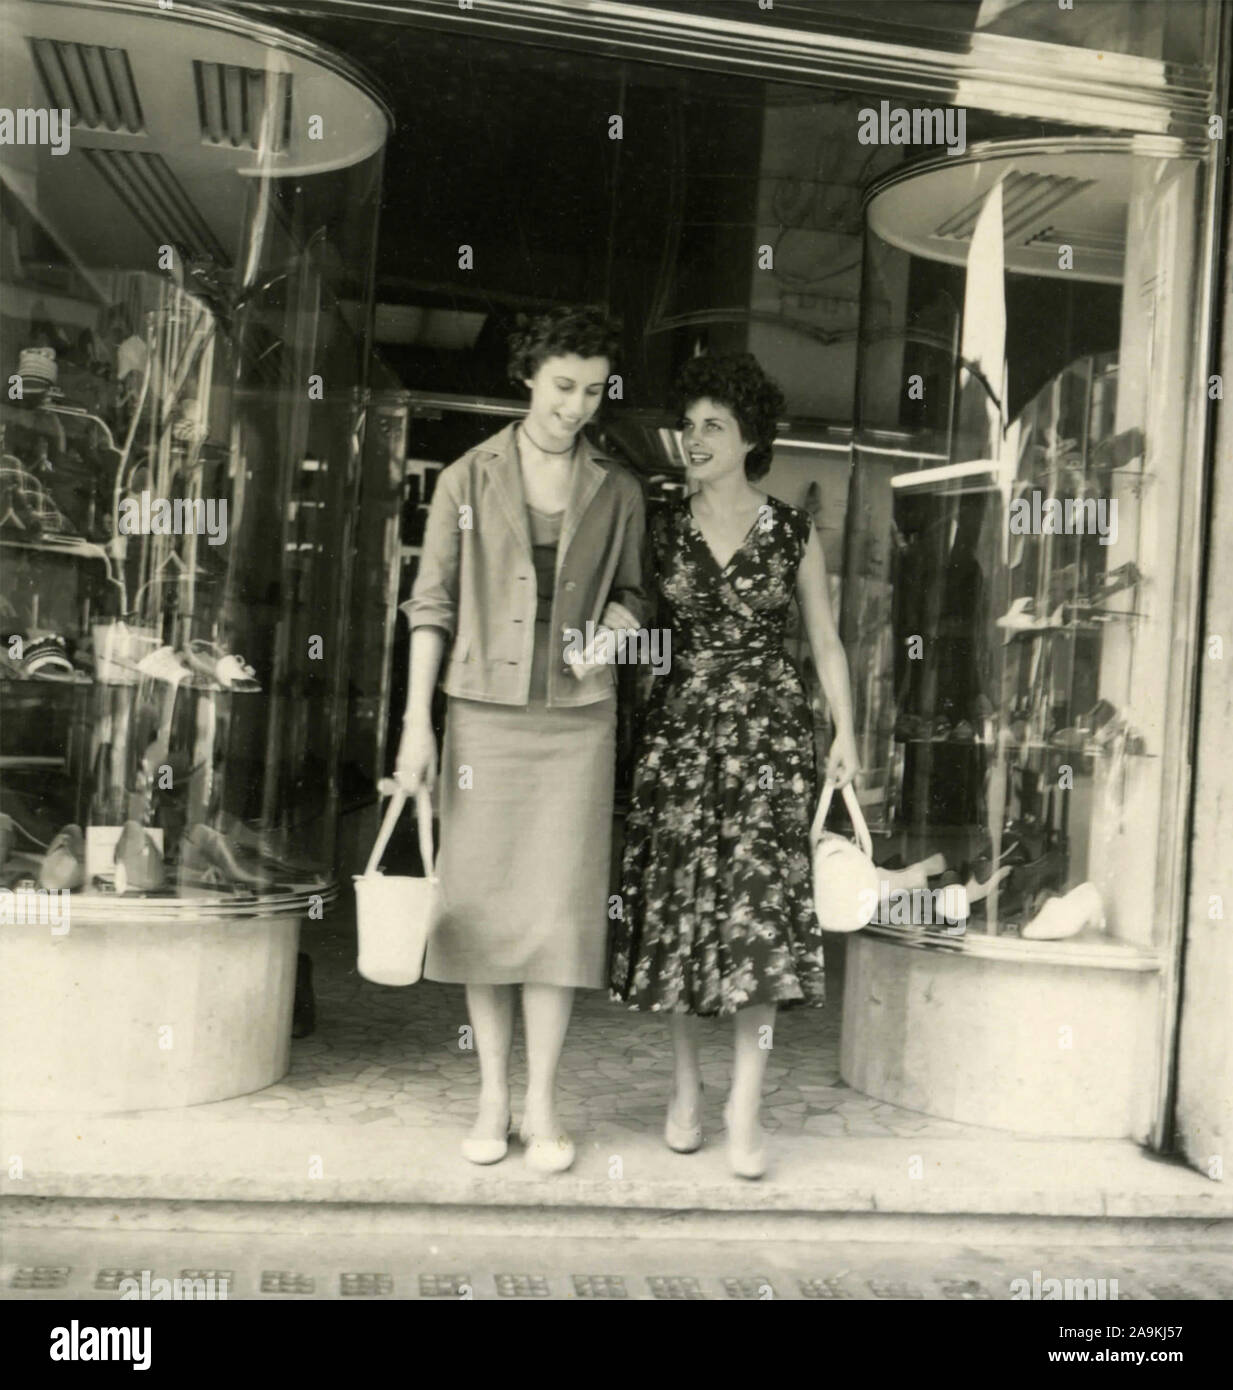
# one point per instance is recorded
(531, 535)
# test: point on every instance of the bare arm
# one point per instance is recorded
(828, 657)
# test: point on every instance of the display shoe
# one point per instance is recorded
(139, 865)
(745, 1163)
(208, 846)
(219, 667)
(547, 1153)
(1022, 617)
(1114, 582)
(64, 864)
(915, 875)
(46, 658)
(483, 1151)
(1067, 916)
(163, 664)
(977, 889)
(682, 1139)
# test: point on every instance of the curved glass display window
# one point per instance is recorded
(184, 296)
(1019, 489)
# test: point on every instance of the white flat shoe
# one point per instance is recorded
(485, 1150)
(745, 1163)
(548, 1154)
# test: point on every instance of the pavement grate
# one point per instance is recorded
(40, 1277)
(962, 1288)
(675, 1286)
(365, 1285)
(521, 1286)
(823, 1288)
(757, 1287)
(894, 1288)
(110, 1279)
(444, 1285)
(286, 1281)
(222, 1278)
(599, 1286)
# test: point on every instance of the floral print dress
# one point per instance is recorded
(716, 904)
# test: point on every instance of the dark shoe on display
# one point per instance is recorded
(304, 1010)
(911, 727)
(139, 865)
(1114, 582)
(64, 864)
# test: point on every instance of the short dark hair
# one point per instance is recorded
(561, 331)
(736, 381)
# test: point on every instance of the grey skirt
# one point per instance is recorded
(525, 845)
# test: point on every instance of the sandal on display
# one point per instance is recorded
(225, 670)
(46, 658)
(64, 864)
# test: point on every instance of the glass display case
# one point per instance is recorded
(1017, 589)
(185, 294)
(1011, 553)
(180, 464)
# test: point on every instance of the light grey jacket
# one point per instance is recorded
(477, 578)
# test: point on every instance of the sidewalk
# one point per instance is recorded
(378, 1098)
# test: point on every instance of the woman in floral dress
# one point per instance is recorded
(717, 907)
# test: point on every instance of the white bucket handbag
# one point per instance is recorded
(845, 880)
(394, 912)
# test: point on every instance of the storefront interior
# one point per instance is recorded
(194, 732)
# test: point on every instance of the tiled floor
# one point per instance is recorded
(397, 1057)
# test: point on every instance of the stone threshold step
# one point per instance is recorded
(123, 1158)
(416, 1223)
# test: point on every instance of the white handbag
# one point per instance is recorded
(394, 912)
(845, 879)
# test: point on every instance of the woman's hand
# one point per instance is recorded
(843, 763)
(617, 616)
(416, 766)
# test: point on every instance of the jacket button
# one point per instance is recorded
(570, 586)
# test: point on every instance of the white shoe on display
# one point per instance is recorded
(1067, 916)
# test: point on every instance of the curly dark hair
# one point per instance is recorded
(737, 381)
(563, 330)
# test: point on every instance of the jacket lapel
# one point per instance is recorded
(587, 481)
(506, 475)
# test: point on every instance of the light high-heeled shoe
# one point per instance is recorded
(547, 1153)
(682, 1139)
(745, 1163)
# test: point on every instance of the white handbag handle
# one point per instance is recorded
(423, 811)
(863, 840)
